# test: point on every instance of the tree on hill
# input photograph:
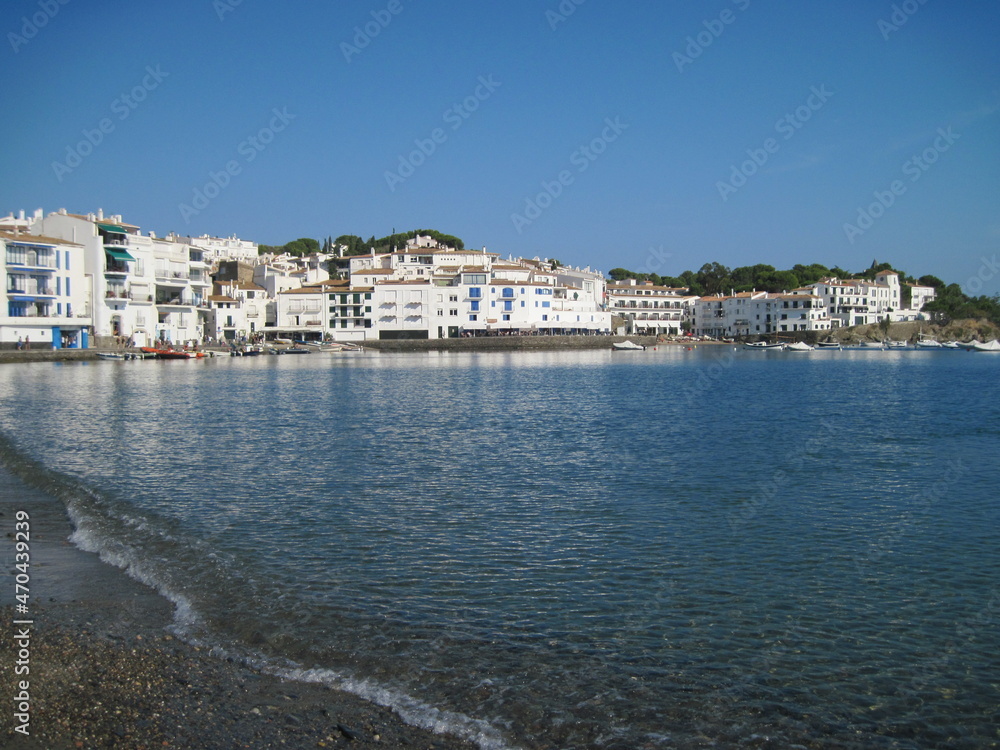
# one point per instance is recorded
(299, 247)
(356, 246)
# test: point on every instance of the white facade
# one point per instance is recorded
(758, 313)
(48, 297)
(649, 310)
(858, 301)
(215, 249)
(920, 296)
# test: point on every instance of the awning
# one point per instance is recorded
(118, 254)
(112, 228)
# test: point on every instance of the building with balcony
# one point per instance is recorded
(649, 310)
(758, 314)
(48, 300)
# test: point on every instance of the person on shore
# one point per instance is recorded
(27, 342)
(20, 343)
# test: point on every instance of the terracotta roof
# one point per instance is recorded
(36, 238)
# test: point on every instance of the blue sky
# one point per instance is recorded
(654, 136)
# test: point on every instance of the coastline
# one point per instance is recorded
(106, 671)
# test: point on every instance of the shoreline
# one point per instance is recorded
(106, 671)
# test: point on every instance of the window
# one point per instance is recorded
(506, 317)
(475, 292)
(507, 293)
(474, 306)
(473, 318)
(453, 312)
(453, 298)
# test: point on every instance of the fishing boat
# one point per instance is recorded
(951, 345)
(990, 346)
(113, 356)
(896, 344)
(763, 345)
(829, 345)
(928, 344)
(872, 345)
(798, 346)
(627, 346)
(295, 350)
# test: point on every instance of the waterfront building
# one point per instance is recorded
(758, 313)
(649, 310)
(920, 295)
(48, 299)
(858, 301)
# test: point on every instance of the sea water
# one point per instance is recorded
(676, 548)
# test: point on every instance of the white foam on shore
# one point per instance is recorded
(187, 624)
(118, 555)
(411, 710)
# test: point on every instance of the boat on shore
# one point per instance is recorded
(627, 346)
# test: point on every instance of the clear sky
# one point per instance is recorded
(652, 135)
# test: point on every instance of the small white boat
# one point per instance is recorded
(829, 345)
(951, 345)
(761, 345)
(111, 356)
(872, 345)
(798, 346)
(990, 346)
(627, 346)
(928, 344)
(896, 344)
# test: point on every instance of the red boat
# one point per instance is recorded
(171, 353)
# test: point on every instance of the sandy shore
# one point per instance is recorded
(105, 671)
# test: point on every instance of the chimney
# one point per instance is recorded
(100, 214)
(20, 214)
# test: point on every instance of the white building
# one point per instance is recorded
(920, 296)
(215, 249)
(758, 313)
(48, 297)
(858, 301)
(649, 310)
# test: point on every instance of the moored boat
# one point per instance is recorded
(627, 346)
(798, 346)
(763, 345)
(828, 345)
(990, 346)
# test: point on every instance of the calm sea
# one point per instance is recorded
(660, 549)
